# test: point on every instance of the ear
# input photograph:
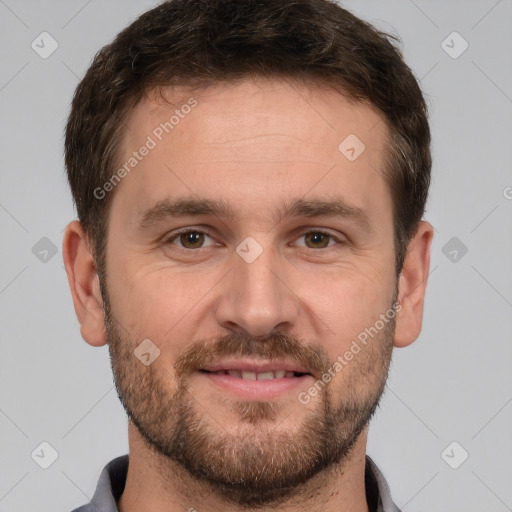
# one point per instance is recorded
(412, 285)
(84, 284)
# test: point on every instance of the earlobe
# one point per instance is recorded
(84, 284)
(412, 286)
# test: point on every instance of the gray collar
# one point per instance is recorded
(113, 479)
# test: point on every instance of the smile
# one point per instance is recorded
(248, 375)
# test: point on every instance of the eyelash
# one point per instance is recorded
(175, 235)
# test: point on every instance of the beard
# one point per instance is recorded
(254, 463)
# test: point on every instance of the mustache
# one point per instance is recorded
(276, 346)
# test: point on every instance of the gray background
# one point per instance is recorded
(453, 384)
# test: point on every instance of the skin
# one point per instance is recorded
(257, 145)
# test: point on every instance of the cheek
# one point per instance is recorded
(153, 300)
(349, 303)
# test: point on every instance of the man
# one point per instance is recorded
(250, 179)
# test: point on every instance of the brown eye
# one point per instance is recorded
(189, 239)
(318, 239)
(192, 239)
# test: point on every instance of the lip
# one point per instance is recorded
(255, 366)
(256, 389)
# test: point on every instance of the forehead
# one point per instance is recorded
(255, 107)
(253, 140)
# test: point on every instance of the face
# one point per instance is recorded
(256, 254)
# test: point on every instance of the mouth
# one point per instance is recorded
(261, 380)
(251, 375)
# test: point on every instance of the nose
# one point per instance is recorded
(256, 296)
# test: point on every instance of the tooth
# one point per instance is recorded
(289, 374)
(265, 376)
(280, 374)
(234, 373)
(249, 375)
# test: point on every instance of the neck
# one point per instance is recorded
(157, 484)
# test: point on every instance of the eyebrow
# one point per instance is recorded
(190, 207)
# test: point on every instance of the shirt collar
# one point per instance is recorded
(113, 479)
(383, 498)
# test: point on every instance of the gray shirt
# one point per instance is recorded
(113, 479)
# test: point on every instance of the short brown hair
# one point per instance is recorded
(202, 42)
